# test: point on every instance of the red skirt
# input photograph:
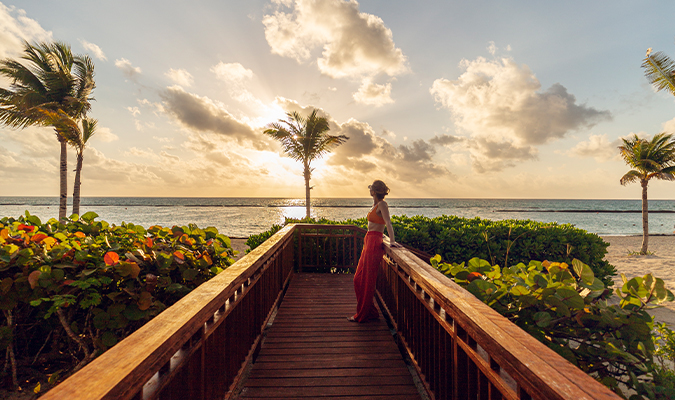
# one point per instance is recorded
(365, 278)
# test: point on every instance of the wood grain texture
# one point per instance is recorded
(312, 351)
(534, 366)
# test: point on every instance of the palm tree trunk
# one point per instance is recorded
(306, 174)
(76, 185)
(645, 217)
(63, 178)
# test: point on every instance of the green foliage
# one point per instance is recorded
(104, 280)
(563, 307)
(505, 242)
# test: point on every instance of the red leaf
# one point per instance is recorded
(25, 228)
(111, 258)
(37, 238)
(178, 254)
(33, 278)
(148, 242)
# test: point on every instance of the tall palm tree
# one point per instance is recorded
(52, 80)
(650, 159)
(75, 136)
(660, 71)
(304, 139)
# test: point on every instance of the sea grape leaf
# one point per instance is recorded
(33, 278)
(145, 301)
(133, 313)
(89, 216)
(111, 258)
(542, 319)
(109, 339)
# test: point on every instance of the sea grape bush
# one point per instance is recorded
(84, 284)
(508, 241)
(564, 306)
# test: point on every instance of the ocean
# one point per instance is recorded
(241, 217)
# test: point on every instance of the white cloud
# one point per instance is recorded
(231, 72)
(180, 77)
(98, 53)
(373, 94)
(104, 134)
(669, 126)
(15, 27)
(134, 111)
(162, 139)
(501, 105)
(127, 69)
(597, 146)
(354, 43)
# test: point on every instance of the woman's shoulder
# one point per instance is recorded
(383, 203)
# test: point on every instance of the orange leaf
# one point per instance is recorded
(111, 258)
(178, 254)
(207, 259)
(33, 278)
(80, 235)
(48, 242)
(4, 233)
(38, 237)
(148, 242)
(26, 228)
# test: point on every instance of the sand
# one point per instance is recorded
(661, 264)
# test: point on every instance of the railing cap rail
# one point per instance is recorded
(121, 371)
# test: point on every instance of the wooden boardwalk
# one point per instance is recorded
(312, 351)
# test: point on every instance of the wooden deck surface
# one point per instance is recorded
(312, 351)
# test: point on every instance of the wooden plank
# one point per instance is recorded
(312, 351)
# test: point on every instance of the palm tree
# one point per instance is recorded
(304, 139)
(52, 81)
(660, 71)
(88, 130)
(650, 159)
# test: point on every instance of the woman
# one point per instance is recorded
(365, 278)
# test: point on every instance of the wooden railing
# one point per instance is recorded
(465, 350)
(197, 348)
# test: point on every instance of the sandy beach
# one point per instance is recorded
(661, 264)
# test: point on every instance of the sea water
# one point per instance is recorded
(241, 217)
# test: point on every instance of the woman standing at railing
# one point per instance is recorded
(365, 278)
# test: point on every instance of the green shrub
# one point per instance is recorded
(92, 284)
(562, 306)
(504, 242)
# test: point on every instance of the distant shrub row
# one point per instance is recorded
(71, 289)
(506, 242)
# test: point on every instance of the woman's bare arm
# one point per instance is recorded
(383, 208)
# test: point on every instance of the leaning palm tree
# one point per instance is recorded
(75, 136)
(304, 139)
(51, 79)
(650, 159)
(660, 71)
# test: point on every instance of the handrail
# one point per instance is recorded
(463, 348)
(195, 348)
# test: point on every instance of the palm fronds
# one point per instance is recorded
(660, 71)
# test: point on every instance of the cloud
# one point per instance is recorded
(104, 134)
(373, 94)
(134, 111)
(179, 77)
(204, 115)
(98, 53)
(502, 104)
(15, 27)
(231, 72)
(669, 126)
(445, 140)
(127, 69)
(354, 43)
(598, 147)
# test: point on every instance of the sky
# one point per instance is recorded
(440, 99)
